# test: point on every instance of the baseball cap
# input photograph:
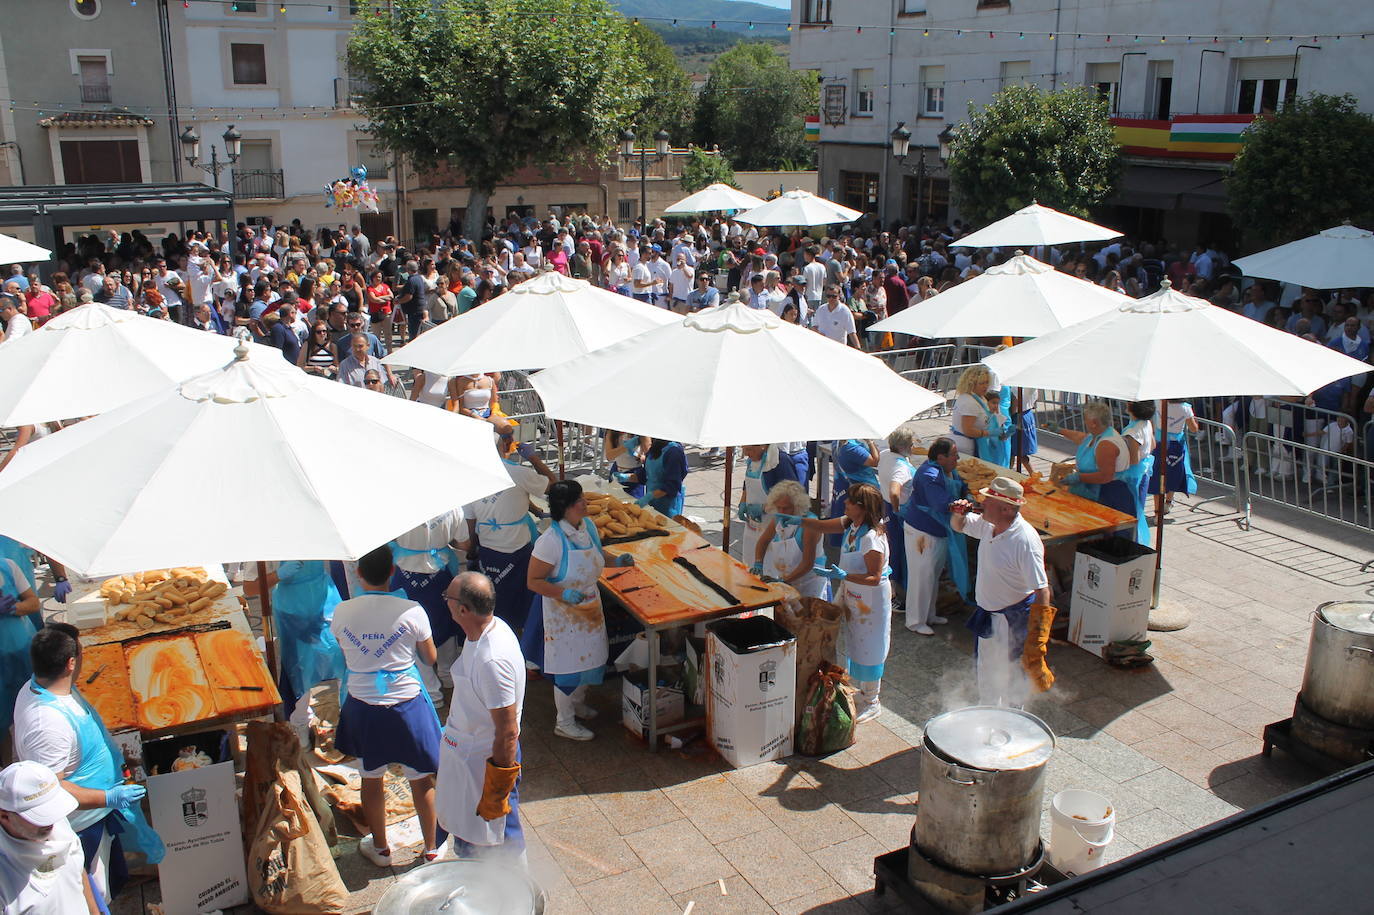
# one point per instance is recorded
(30, 790)
(658, 248)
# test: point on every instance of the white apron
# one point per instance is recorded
(868, 608)
(575, 637)
(755, 492)
(785, 552)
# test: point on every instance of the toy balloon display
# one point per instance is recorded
(352, 192)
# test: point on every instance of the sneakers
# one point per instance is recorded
(573, 731)
(922, 629)
(441, 853)
(938, 620)
(372, 853)
(868, 714)
(584, 711)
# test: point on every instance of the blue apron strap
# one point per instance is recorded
(442, 554)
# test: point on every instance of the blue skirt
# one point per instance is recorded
(1178, 473)
(508, 572)
(380, 735)
(896, 548)
(428, 592)
(532, 639)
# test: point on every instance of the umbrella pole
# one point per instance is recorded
(562, 461)
(729, 492)
(1020, 442)
(1163, 446)
(268, 633)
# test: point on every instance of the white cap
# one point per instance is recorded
(30, 790)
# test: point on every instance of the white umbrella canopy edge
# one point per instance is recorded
(128, 505)
(1340, 257)
(17, 251)
(47, 375)
(714, 198)
(799, 208)
(1036, 225)
(1022, 297)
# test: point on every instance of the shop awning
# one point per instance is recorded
(1172, 188)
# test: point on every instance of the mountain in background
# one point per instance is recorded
(693, 41)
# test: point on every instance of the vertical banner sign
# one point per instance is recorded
(195, 813)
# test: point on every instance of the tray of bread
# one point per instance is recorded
(153, 601)
(1050, 508)
(618, 521)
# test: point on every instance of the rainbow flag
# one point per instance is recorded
(1187, 136)
(813, 128)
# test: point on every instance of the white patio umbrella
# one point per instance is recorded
(799, 208)
(1036, 225)
(1335, 258)
(1020, 298)
(715, 198)
(732, 375)
(17, 251)
(94, 357)
(145, 485)
(549, 319)
(1170, 346)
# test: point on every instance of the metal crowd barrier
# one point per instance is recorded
(917, 357)
(1305, 478)
(940, 380)
(1215, 456)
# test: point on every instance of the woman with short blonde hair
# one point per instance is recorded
(785, 550)
(969, 421)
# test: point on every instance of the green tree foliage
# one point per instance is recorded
(1302, 170)
(493, 86)
(703, 168)
(668, 102)
(753, 106)
(1028, 144)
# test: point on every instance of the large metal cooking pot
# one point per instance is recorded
(1338, 684)
(982, 782)
(462, 887)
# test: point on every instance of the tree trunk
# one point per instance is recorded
(475, 222)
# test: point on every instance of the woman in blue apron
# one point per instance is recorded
(624, 452)
(303, 601)
(1178, 469)
(1103, 459)
(1141, 431)
(758, 460)
(18, 607)
(865, 592)
(856, 461)
(785, 551)
(995, 446)
(564, 568)
(665, 473)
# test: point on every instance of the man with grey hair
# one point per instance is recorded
(17, 324)
(477, 794)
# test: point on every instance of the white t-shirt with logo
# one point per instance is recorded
(508, 509)
(379, 632)
(835, 322)
(436, 533)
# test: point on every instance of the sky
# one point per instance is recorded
(779, 4)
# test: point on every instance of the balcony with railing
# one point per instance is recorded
(95, 92)
(259, 184)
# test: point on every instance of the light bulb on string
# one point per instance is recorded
(859, 30)
(751, 26)
(925, 33)
(1161, 39)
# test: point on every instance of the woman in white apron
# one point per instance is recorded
(758, 460)
(865, 591)
(626, 454)
(784, 550)
(564, 568)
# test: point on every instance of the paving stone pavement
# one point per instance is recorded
(614, 828)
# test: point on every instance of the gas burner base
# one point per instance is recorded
(893, 871)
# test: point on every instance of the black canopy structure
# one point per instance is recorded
(51, 207)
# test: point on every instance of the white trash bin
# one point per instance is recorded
(1082, 824)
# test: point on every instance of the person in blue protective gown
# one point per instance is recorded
(18, 609)
(388, 718)
(303, 602)
(930, 543)
(665, 476)
(995, 446)
(564, 568)
(861, 579)
(54, 725)
(1140, 440)
(1104, 473)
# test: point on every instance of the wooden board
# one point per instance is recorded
(230, 658)
(168, 683)
(109, 693)
(1059, 514)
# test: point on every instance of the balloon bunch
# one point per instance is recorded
(352, 191)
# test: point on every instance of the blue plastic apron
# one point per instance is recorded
(22, 557)
(304, 605)
(1086, 458)
(842, 480)
(653, 476)
(16, 632)
(993, 448)
(1139, 473)
(957, 553)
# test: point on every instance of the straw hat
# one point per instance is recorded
(1006, 489)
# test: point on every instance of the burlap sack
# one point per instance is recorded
(274, 748)
(816, 624)
(290, 870)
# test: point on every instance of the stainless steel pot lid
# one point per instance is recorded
(462, 887)
(1350, 615)
(989, 737)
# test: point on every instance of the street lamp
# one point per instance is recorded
(901, 147)
(628, 151)
(190, 147)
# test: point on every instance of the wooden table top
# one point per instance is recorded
(1059, 514)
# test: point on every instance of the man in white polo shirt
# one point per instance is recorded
(835, 320)
(1011, 577)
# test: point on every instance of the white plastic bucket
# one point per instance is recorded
(1081, 827)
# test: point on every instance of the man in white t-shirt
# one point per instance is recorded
(1011, 580)
(40, 855)
(477, 792)
(660, 271)
(834, 319)
(17, 324)
(680, 284)
(505, 533)
(815, 274)
(642, 278)
(427, 556)
(387, 718)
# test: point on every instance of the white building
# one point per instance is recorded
(925, 62)
(278, 75)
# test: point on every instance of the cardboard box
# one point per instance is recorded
(753, 682)
(634, 703)
(1113, 581)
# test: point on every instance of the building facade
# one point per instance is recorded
(925, 63)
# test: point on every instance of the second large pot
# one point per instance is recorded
(982, 784)
(1338, 683)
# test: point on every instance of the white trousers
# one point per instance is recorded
(565, 704)
(1001, 681)
(925, 560)
(448, 653)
